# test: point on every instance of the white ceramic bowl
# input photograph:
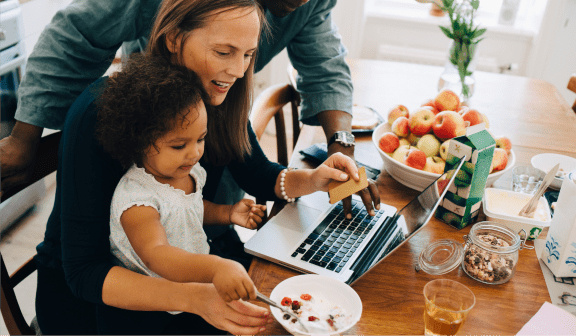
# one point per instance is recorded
(332, 290)
(547, 161)
(419, 179)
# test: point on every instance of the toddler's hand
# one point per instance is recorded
(248, 214)
(232, 282)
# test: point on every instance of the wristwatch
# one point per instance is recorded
(344, 138)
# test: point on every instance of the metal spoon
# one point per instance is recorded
(268, 301)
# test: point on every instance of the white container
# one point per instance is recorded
(560, 251)
(503, 206)
(419, 179)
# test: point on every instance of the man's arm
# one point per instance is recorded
(325, 83)
(76, 48)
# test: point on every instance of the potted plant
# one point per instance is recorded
(465, 36)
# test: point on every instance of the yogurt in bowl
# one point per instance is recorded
(325, 305)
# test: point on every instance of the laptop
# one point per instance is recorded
(313, 236)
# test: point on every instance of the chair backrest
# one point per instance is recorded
(46, 162)
(269, 104)
(572, 87)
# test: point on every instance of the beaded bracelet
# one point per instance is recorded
(282, 178)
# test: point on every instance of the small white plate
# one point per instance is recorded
(547, 161)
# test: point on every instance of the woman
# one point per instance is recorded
(77, 278)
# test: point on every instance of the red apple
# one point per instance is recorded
(447, 100)
(504, 143)
(400, 127)
(400, 153)
(473, 116)
(448, 124)
(432, 104)
(396, 112)
(500, 159)
(434, 164)
(389, 142)
(421, 121)
(415, 158)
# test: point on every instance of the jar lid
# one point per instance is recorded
(441, 257)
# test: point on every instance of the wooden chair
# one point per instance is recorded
(46, 162)
(269, 104)
(572, 87)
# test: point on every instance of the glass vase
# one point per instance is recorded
(465, 56)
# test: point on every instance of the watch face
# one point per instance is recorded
(349, 138)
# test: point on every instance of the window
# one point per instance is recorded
(528, 18)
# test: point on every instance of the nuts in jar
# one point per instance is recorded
(491, 253)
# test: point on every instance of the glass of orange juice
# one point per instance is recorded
(447, 305)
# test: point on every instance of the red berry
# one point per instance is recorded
(286, 301)
(312, 318)
(306, 297)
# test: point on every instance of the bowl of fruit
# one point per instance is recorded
(414, 145)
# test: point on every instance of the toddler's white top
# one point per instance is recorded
(181, 214)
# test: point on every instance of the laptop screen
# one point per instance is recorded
(410, 220)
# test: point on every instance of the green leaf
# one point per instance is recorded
(478, 33)
(475, 4)
(447, 32)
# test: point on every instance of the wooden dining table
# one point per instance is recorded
(530, 112)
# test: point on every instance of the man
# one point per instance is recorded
(78, 46)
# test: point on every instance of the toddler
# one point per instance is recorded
(153, 119)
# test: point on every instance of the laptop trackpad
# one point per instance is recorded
(296, 216)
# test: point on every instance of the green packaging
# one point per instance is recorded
(461, 204)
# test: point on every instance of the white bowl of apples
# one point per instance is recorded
(417, 160)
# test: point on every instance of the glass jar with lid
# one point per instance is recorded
(491, 253)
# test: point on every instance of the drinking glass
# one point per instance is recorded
(526, 179)
(447, 305)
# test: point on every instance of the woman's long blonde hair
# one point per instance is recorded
(227, 138)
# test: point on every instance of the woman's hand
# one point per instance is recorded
(338, 167)
(247, 214)
(237, 317)
(232, 282)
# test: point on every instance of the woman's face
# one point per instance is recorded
(221, 51)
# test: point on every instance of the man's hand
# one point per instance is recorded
(331, 122)
(17, 152)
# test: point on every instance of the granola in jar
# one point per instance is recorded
(491, 253)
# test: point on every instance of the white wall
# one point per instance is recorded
(554, 54)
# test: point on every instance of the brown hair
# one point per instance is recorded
(227, 137)
(142, 103)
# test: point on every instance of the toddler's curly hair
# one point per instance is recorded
(142, 103)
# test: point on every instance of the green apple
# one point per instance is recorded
(434, 164)
(429, 145)
(404, 142)
(444, 149)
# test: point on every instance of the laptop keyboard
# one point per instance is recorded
(336, 238)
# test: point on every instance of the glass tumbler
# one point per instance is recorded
(448, 303)
(526, 179)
